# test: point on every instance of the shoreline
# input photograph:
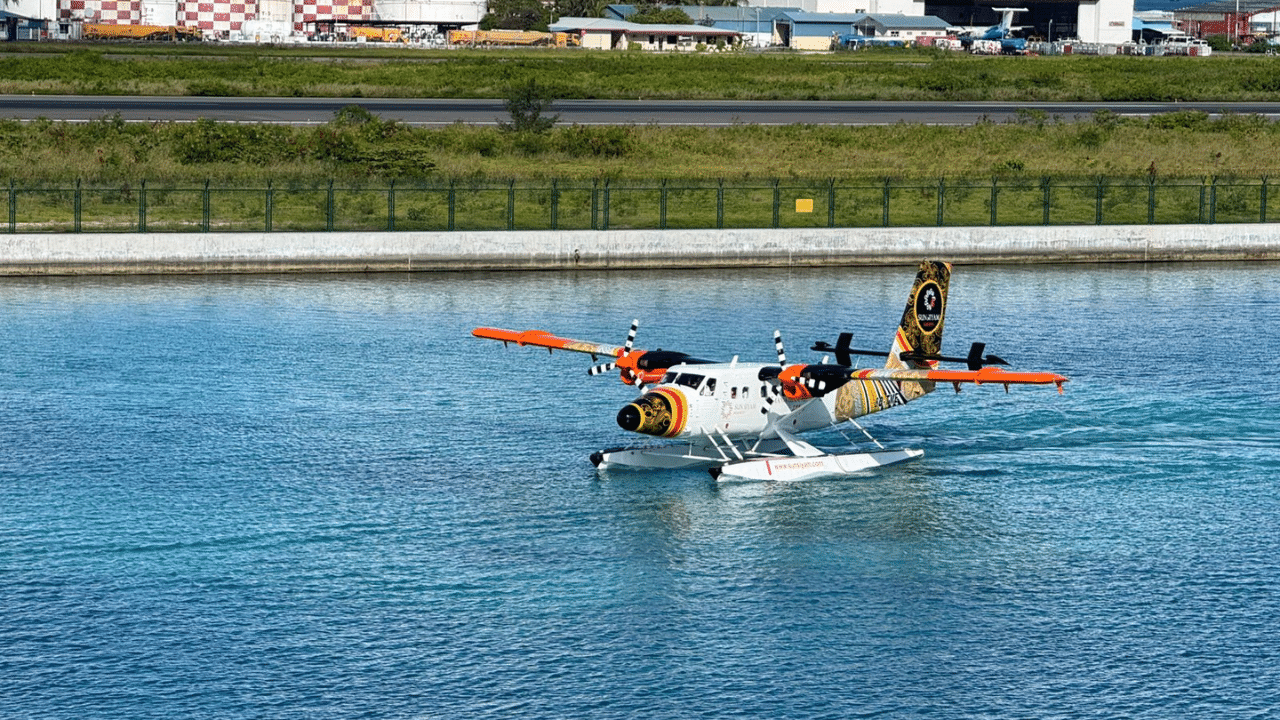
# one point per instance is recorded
(32, 254)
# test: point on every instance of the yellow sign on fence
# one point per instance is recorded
(804, 204)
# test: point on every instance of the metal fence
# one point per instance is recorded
(607, 204)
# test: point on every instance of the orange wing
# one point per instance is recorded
(985, 376)
(542, 338)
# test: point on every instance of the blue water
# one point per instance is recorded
(318, 497)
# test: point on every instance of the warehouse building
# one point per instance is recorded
(1100, 21)
(608, 34)
(1231, 18)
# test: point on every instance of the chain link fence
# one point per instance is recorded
(609, 204)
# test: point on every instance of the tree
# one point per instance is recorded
(656, 15)
(526, 104)
(516, 15)
(580, 8)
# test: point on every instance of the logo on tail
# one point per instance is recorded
(920, 331)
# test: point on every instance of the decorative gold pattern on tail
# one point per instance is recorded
(922, 323)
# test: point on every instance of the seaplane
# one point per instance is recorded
(742, 420)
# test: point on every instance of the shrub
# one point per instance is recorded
(526, 104)
(605, 141)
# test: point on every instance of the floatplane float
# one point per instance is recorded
(742, 420)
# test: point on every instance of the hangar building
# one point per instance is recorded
(1091, 21)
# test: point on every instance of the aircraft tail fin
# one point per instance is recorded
(920, 332)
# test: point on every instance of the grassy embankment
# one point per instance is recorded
(369, 152)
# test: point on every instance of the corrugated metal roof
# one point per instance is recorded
(808, 24)
(823, 18)
(899, 21)
(569, 24)
(715, 12)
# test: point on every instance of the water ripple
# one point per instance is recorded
(318, 497)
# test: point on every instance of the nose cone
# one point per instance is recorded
(662, 412)
(629, 418)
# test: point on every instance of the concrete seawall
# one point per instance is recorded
(148, 253)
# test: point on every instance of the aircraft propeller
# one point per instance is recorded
(626, 350)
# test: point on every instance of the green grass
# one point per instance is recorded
(359, 148)
(920, 74)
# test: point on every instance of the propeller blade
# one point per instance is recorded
(626, 350)
(631, 336)
(601, 369)
(777, 344)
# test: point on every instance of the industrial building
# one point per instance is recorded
(814, 31)
(1099, 21)
(1091, 21)
(609, 34)
(261, 20)
(1234, 19)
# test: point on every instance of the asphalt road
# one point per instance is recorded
(301, 111)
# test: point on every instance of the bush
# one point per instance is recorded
(526, 104)
(605, 141)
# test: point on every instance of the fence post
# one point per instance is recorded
(942, 197)
(1262, 201)
(605, 222)
(777, 201)
(204, 220)
(142, 207)
(555, 204)
(452, 202)
(884, 204)
(391, 206)
(1200, 218)
(831, 202)
(595, 203)
(328, 216)
(1097, 204)
(511, 204)
(995, 191)
(1213, 200)
(1046, 189)
(720, 204)
(1151, 199)
(13, 205)
(662, 206)
(76, 206)
(271, 201)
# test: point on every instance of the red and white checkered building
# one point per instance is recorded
(216, 17)
(307, 12)
(112, 12)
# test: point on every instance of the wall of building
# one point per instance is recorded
(1105, 21)
(114, 253)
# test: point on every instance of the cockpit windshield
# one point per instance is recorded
(688, 380)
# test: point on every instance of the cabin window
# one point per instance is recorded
(710, 387)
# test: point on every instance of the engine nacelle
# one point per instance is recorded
(662, 412)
